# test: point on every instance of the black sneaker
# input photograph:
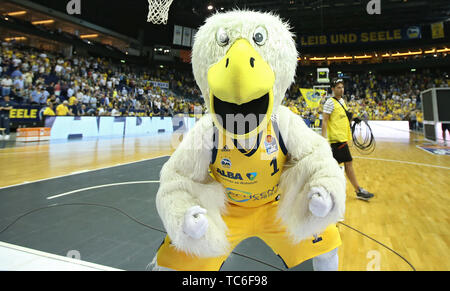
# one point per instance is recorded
(363, 194)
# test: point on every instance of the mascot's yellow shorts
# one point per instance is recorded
(245, 222)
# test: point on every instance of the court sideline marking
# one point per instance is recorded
(404, 162)
(100, 186)
(82, 172)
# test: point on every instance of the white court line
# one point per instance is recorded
(79, 172)
(100, 186)
(84, 171)
(404, 162)
(14, 257)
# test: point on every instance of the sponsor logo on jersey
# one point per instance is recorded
(240, 196)
(236, 195)
(226, 163)
(230, 175)
(316, 239)
(225, 149)
(252, 176)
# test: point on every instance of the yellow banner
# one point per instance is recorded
(313, 96)
(437, 30)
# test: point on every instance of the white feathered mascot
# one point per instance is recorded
(249, 167)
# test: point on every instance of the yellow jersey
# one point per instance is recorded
(72, 100)
(419, 117)
(49, 112)
(62, 110)
(250, 177)
(338, 127)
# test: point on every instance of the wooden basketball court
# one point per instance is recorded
(408, 214)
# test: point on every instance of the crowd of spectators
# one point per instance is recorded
(94, 86)
(374, 96)
(97, 86)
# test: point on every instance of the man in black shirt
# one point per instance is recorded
(5, 106)
(76, 108)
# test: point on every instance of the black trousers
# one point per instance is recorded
(4, 123)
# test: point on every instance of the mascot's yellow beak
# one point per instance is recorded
(241, 91)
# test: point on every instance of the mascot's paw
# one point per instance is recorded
(320, 202)
(195, 222)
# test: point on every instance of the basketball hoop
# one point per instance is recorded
(158, 11)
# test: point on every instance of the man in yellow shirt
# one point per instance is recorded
(63, 109)
(49, 110)
(419, 119)
(72, 100)
(336, 128)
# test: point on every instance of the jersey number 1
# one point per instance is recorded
(274, 164)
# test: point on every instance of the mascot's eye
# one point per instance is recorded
(222, 37)
(260, 35)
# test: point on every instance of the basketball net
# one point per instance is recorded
(158, 11)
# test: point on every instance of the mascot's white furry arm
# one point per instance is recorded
(238, 57)
(311, 165)
(185, 183)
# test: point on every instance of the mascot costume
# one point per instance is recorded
(269, 176)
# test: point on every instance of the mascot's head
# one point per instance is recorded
(243, 62)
